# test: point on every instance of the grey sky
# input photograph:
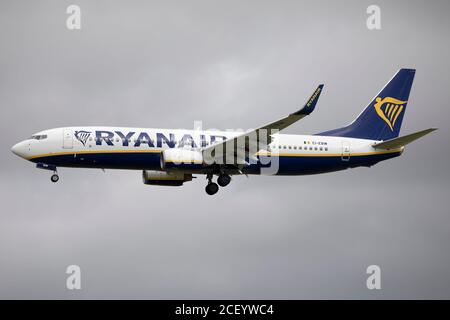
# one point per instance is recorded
(231, 64)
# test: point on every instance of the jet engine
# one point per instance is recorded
(161, 178)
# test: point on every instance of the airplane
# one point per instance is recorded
(171, 157)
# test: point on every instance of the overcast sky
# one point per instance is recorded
(231, 64)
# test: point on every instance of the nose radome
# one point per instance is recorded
(20, 149)
(15, 148)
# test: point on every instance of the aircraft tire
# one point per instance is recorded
(211, 188)
(223, 180)
(54, 178)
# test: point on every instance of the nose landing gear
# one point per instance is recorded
(54, 177)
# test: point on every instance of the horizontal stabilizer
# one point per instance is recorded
(402, 141)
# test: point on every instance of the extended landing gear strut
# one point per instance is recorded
(212, 188)
(54, 177)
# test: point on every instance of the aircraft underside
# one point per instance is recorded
(153, 174)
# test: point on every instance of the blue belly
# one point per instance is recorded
(120, 160)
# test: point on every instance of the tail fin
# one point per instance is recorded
(382, 118)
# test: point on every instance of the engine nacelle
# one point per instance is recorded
(181, 159)
(161, 178)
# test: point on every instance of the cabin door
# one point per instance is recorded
(67, 139)
(345, 151)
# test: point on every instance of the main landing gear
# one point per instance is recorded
(212, 187)
(223, 180)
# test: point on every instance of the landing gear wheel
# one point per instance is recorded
(54, 178)
(211, 188)
(223, 180)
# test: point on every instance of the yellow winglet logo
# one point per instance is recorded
(389, 109)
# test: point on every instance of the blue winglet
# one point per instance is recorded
(311, 104)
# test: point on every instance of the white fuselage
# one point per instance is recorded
(91, 147)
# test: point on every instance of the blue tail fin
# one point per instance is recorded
(382, 118)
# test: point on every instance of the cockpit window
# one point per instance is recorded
(39, 137)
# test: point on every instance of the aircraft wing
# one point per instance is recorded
(247, 144)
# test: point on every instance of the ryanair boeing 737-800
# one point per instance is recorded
(170, 157)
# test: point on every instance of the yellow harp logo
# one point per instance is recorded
(389, 109)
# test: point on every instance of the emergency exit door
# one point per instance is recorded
(345, 151)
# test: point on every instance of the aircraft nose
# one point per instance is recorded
(20, 149)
